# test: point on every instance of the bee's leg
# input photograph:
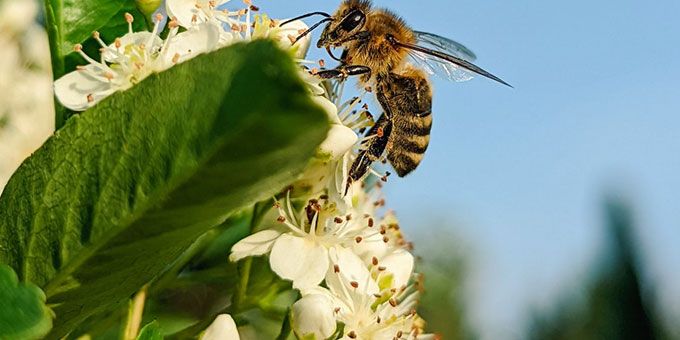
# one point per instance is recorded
(344, 71)
(372, 149)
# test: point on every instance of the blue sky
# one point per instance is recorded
(520, 174)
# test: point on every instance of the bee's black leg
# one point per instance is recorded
(344, 71)
(372, 149)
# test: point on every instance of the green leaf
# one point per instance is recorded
(79, 18)
(151, 331)
(23, 314)
(124, 188)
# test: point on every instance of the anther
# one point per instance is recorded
(348, 217)
(129, 18)
(393, 302)
(175, 58)
(377, 296)
(386, 239)
(194, 18)
(370, 222)
(198, 5)
(314, 71)
(212, 3)
(173, 23)
(352, 335)
(118, 43)
(248, 2)
(338, 220)
(374, 260)
(336, 268)
(95, 35)
(254, 8)
(380, 132)
(235, 28)
(242, 12)
(281, 219)
(382, 268)
(368, 89)
(336, 310)
(90, 98)
(77, 47)
(358, 239)
(322, 63)
(292, 38)
(354, 284)
(399, 334)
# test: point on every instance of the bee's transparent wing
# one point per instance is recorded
(443, 68)
(444, 57)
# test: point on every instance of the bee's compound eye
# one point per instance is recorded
(352, 20)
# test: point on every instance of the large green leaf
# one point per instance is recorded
(23, 314)
(126, 187)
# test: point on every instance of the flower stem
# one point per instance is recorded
(53, 26)
(285, 327)
(259, 210)
(135, 313)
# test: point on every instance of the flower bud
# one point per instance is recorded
(313, 315)
(147, 7)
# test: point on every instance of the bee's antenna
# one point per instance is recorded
(309, 30)
(306, 16)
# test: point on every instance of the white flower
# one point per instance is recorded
(130, 59)
(223, 328)
(302, 251)
(365, 312)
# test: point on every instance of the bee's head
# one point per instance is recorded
(347, 21)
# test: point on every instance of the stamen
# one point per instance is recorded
(90, 98)
(336, 268)
(354, 284)
(281, 219)
(374, 261)
(358, 239)
(129, 18)
(352, 335)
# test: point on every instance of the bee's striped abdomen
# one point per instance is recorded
(410, 99)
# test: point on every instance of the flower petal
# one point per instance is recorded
(351, 272)
(291, 31)
(184, 11)
(254, 245)
(73, 89)
(188, 44)
(313, 314)
(223, 328)
(300, 260)
(340, 139)
(400, 265)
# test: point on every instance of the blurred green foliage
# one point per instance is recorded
(615, 306)
(444, 271)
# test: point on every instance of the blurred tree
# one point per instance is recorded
(614, 305)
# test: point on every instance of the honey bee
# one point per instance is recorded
(395, 61)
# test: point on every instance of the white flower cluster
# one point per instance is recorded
(205, 26)
(26, 106)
